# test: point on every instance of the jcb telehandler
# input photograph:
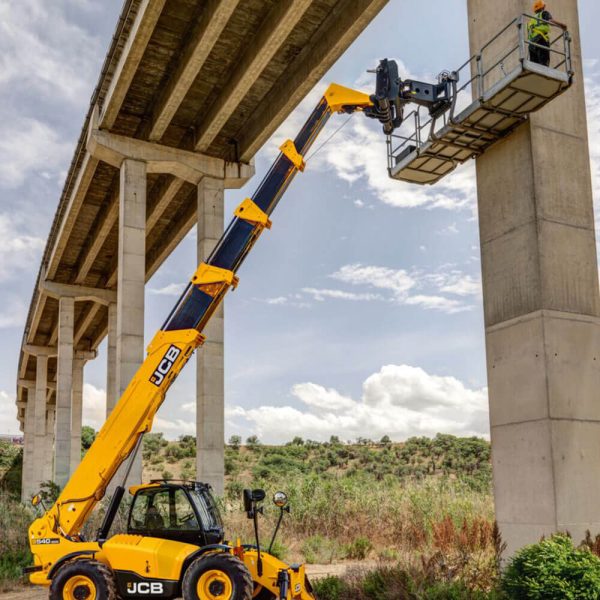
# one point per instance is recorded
(175, 542)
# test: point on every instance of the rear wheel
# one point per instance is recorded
(217, 576)
(83, 580)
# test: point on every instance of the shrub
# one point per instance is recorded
(167, 474)
(358, 549)
(553, 569)
(330, 588)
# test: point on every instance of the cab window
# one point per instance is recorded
(162, 510)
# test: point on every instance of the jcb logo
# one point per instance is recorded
(145, 587)
(164, 366)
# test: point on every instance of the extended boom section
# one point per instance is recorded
(58, 532)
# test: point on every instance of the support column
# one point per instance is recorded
(49, 457)
(64, 384)
(111, 359)
(542, 307)
(29, 443)
(131, 281)
(39, 421)
(210, 392)
(76, 414)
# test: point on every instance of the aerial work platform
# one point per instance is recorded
(426, 149)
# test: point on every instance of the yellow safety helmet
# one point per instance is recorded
(539, 5)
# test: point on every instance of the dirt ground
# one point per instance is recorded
(314, 572)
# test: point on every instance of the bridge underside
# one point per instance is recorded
(188, 93)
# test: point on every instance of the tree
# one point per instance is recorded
(88, 435)
(252, 442)
(235, 441)
(385, 440)
(297, 441)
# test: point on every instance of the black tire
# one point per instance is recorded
(75, 578)
(231, 579)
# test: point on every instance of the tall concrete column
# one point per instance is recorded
(76, 414)
(64, 384)
(29, 443)
(210, 393)
(39, 421)
(542, 307)
(49, 456)
(131, 281)
(111, 359)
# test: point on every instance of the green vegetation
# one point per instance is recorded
(553, 570)
(415, 519)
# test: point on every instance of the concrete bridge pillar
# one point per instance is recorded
(111, 359)
(210, 392)
(49, 457)
(76, 414)
(64, 385)
(28, 445)
(542, 307)
(39, 422)
(130, 349)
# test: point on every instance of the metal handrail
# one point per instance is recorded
(480, 67)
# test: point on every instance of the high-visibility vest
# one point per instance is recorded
(538, 27)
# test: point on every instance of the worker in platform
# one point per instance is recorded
(538, 32)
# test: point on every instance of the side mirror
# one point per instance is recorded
(251, 497)
(280, 499)
(37, 499)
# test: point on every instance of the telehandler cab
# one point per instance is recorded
(175, 544)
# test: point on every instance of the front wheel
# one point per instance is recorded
(218, 576)
(83, 580)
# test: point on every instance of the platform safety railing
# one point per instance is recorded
(503, 53)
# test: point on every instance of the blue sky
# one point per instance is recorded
(358, 314)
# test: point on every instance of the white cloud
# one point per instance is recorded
(398, 281)
(8, 414)
(399, 401)
(172, 289)
(321, 294)
(94, 406)
(440, 303)
(44, 51)
(18, 252)
(173, 428)
(13, 313)
(28, 146)
(277, 300)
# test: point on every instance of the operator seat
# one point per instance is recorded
(153, 519)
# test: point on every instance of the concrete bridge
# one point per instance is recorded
(176, 119)
(188, 93)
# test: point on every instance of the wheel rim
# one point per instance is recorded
(79, 587)
(214, 585)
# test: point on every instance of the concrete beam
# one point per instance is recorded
(131, 55)
(328, 43)
(189, 166)
(106, 223)
(77, 292)
(210, 368)
(64, 386)
(158, 210)
(264, 45)
(35, 350)
(214, 17)
(78, 193)
(30, 384)
(86, 322)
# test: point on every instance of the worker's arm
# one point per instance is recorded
(181, 334)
